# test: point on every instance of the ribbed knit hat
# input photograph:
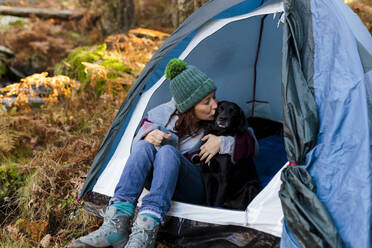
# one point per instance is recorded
(188, 85)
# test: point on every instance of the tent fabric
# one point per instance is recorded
(300, 117)
(343, 148)
(340, 162)
(307, 218)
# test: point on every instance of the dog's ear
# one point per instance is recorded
(243, 123)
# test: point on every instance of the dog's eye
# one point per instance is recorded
(221, 108)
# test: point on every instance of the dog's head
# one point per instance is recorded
(229, 119)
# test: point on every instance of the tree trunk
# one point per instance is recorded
(182, 9)
(185, 9)
(117, 16)
(175, 18)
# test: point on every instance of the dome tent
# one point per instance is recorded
(304, 63)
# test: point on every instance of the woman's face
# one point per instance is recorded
(206, 108)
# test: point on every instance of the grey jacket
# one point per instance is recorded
(158, 118)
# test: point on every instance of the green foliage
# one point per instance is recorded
(73, 67)
(174, 67)
(112, 68)
(114, 64)
(12, 177)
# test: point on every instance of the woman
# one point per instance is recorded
(160, 161)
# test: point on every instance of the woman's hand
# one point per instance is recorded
(156, 136)
(210, 148)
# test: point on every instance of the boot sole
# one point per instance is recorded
(79, 244)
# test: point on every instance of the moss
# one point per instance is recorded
(72, 66)
(100, 87)
(19, 22)
(114, 66)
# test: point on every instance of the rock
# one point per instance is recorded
(45, 242)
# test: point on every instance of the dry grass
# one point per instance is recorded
(64, 139)
(136, 48)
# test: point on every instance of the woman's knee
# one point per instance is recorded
(168, 155)
(168, 150)
(143, 145)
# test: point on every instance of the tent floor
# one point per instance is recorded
(187, 233)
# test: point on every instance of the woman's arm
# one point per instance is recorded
(239, 147)
(155, 134)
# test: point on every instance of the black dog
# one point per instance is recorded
(225, 182)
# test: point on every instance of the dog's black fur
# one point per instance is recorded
(229, 185)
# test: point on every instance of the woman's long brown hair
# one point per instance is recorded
(187, 124)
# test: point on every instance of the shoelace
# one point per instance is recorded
(138, 237)
(107, 223)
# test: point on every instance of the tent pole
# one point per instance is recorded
(256, 61)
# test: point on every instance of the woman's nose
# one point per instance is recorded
(214, 104)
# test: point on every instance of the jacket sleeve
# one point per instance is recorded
(240, 147)
(147, 126)
(246, 146)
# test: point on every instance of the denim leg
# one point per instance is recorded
(174, 177)
(133, 177)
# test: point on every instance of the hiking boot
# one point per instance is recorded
(113, 232)
(144, 233)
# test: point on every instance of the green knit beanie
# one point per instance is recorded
(188, 85)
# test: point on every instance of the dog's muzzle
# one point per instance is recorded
(222, 123)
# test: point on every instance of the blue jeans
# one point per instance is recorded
(166, 173)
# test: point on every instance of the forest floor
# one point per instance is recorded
(46, 151)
